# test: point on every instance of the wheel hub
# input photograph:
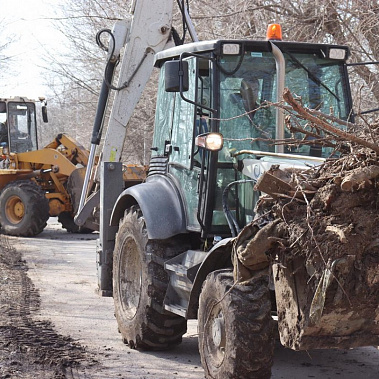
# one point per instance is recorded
(130, 280)
(216, 336)
(15, 209)
(218, 331)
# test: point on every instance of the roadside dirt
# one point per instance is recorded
(30, 348)
(62, 268)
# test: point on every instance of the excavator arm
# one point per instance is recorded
(146, 32)
(149, 33)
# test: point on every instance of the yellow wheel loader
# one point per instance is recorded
(37, 183)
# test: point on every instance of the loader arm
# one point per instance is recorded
(144, 33)
(73, 148)
(149, 33)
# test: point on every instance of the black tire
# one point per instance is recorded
(140, 283)
(236, 331)
(67, 221)
(24, 209)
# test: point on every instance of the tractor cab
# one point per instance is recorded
(228, 92)
(18, 125)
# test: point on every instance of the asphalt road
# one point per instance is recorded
(62, 267)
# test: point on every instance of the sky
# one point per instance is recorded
(29, 22)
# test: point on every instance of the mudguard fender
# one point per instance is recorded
(161, 205)
(219, 257)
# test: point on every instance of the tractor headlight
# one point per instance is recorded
(210, 141)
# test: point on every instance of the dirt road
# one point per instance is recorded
(62, 268)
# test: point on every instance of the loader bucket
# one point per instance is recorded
(337, 309)
(75, 186)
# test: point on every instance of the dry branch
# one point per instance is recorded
(322, 124)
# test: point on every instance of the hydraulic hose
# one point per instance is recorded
(232, 222)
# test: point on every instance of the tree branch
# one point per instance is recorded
(303, 112)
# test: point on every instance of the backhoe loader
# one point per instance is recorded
(187, 242)
(38, 183)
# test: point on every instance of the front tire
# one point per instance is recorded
(139, 286)
(236, 338)
(24, 209)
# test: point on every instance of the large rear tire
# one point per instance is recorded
(236, 338)
(140, 283)
(24, 209)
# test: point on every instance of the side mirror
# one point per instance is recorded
(173, 75)
(44, 113)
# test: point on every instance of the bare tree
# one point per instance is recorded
(76, 76)
(352, 23)
(5, 41)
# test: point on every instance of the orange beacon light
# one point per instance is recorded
(274, 32)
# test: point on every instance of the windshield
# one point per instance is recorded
(22, 126)
(249, 124)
